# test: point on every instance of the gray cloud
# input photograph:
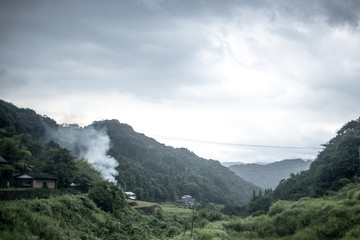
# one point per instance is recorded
(221, 57)
(141, 47)
(342, 12)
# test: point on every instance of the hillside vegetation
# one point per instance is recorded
(336, 216)
(155, 172)
(320, 203)
(331, 217)
(335, 166)
(101, 214)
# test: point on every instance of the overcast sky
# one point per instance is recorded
(273, 73)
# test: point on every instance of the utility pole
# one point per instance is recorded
(359, 160)
(192, 222)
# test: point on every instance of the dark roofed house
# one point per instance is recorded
(36, 180)
(5, 179)
(3, 161)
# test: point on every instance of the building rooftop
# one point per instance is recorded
(2, 160)
(37, 175)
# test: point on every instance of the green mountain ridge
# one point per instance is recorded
(334, 167)
(320, 203)
(153, 171)
(180, 169)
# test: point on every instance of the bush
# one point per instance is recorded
(277, 207)
(107, 196)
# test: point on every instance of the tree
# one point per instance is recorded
(60, 163)
(86, 175)
(107, 196)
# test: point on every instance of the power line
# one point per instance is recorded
(239, 144)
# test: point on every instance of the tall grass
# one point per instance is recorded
(335, 217)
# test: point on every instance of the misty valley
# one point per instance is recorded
(106, 181)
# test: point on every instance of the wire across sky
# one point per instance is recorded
(240, 144)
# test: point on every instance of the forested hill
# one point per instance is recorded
(156, 172)
(153, 171)
(269, 175)
(335, 166)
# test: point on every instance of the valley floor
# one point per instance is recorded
(77, 217)
(331, 217)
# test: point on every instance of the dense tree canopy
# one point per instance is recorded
(160, 173)
(337, 165)
(334, 167)
(153, 171)
(21, 135)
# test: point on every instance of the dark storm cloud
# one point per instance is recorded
(335, 12)
(342, 12)
(145, 46)
(138, 47)
(253, 67)
(147, 43)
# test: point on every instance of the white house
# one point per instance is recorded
(131, 195)
(187, 200)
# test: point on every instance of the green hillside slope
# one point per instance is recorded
(332, 217)
(153, 171)
(334, 167)
(156, 172)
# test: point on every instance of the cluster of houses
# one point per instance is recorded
(187, 200)
(45, 180)
(130, 195)
(28, 180)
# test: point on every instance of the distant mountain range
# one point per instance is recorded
(228, 164)
(268, 175)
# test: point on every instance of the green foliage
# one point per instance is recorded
(86, 175)
(9, 121)
(278, 207)
(68, 217)
(107, 196)
(333, 217)
(60, 163)
(152, 170)
(78, 217)
(234, 210)
(160, 173)
(334, 167)
(21, 133)
(261, 203)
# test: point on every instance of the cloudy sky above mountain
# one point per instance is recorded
(191, 73)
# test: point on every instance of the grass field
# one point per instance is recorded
(170, 210)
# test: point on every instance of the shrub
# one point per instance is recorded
(107, 196)
(278, 207)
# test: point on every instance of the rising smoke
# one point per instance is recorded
(90, 144)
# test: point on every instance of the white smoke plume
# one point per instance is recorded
(90, 144)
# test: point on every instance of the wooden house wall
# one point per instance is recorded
(38, 183)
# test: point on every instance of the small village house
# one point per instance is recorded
(3, 161)
(4, 179)
(36, 180)
(130, 195)
(187, 200)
